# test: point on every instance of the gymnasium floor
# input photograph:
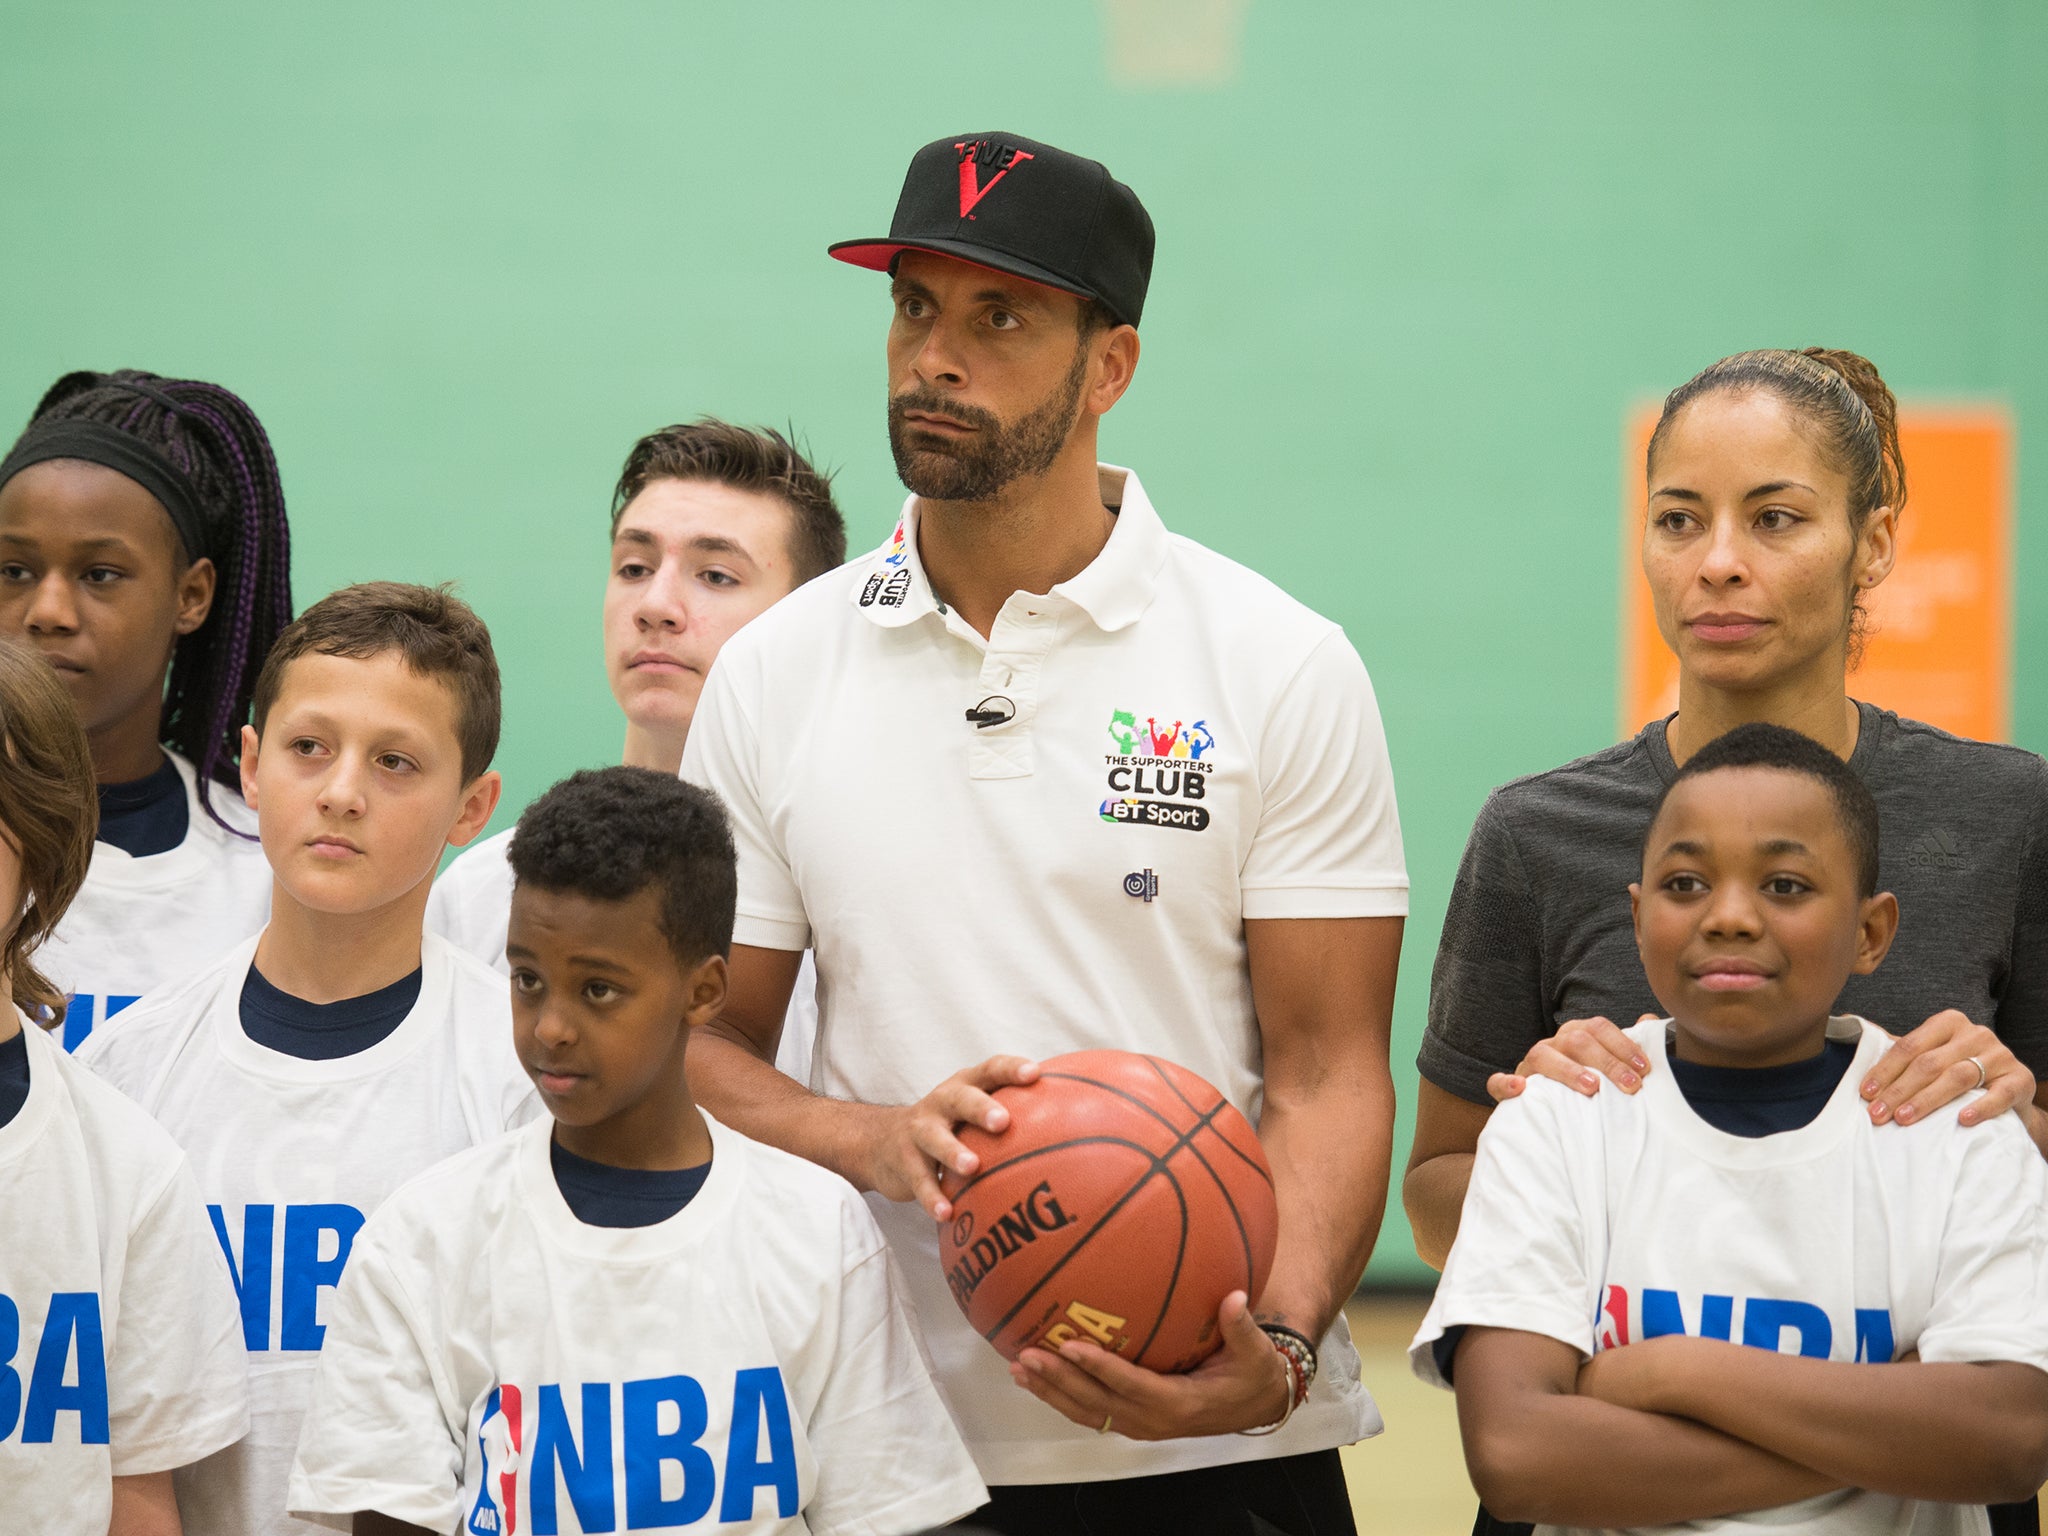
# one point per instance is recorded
(1410, 1481)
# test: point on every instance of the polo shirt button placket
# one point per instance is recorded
(1017, 645)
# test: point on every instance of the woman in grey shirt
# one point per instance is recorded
(1775, 492)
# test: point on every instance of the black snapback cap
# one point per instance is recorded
(1018, 206)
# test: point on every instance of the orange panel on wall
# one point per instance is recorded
(1940, 647)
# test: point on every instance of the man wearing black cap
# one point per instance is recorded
(1038, 776)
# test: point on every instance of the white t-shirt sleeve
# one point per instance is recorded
(1525, 1257)
(1328, 842)
(177, 1373)
(889, 1457)
(1991, 1280)
(723, 755)
(385, 1429)
(471, 900)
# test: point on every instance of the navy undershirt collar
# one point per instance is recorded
(145, 816)
(600, 1195)
(323, 1031)
(13, 1076)
(1763, 1101)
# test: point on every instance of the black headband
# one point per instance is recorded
(97, 443)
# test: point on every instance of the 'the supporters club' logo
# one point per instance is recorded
(978, 154)
(1159, 772)
(890, 584)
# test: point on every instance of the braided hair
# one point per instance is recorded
(215, 438)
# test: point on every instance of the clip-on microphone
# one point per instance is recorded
(993, 710)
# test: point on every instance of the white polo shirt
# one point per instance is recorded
(1182, 746)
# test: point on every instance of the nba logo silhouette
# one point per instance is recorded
(499, 1442)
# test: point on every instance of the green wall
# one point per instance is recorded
(1414, 261)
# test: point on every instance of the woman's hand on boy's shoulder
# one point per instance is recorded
(1945, 1058)
(1581, 1053)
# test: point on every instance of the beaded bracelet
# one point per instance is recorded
(1300, 1352)
(1298, 1355)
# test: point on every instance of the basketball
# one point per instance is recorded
(1125, 1201)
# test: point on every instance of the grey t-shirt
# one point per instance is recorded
(1538, 929)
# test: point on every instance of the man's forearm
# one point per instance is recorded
(144, 1505)
(1561, 1459)
(1962, 1434)
(757, 1100)
(1330, 1147)
(1433, 1195)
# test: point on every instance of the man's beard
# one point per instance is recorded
(980, 467)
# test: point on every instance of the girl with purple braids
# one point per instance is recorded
(144, 553)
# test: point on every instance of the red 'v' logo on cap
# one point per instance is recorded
(971, 192)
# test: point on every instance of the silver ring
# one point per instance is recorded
(1981, 1076)
(1105, 1422)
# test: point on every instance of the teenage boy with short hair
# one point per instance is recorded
(712, 524)
(629, 1285)
(320, 1065)
(1614, 1250)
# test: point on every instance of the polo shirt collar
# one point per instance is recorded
(1114, 590)
(895, 591)
(1118, 585)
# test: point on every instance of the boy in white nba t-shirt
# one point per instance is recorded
(320, 1065)
(1731, 1291)
(120, 1359)
(627, 1317)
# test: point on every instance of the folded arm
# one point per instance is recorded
(1539, 1450)
(1958, 1433)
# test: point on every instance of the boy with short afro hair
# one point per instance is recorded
(1732, 1292)
(320, 1065)
(628, 1317)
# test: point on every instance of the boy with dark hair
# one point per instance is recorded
(628, 1317)
(1731, 1291)
(711, 525)
(323, 1063)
